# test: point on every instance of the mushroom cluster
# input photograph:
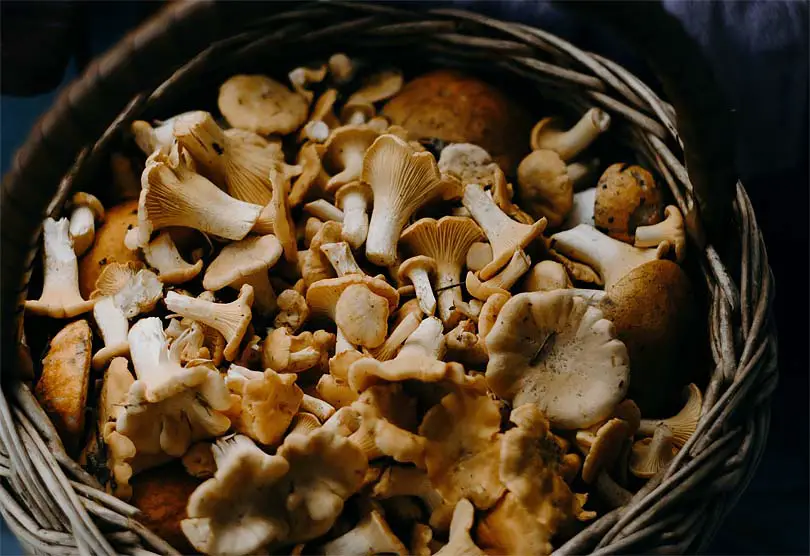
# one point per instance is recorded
(358, 337)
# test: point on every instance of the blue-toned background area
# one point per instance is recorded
(759, 52)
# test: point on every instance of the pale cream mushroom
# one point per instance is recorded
(403, 181)
(283, 223)
(683, 424)
(353, 199)
(602, 445)
(470, 163)
(60, 298)
(401, 332)
(399, 481)
(372, 535)
(293, 310)
(651, 455)
(170, 406)
(479, 255)
(312, 179)
(324, 210)
(504, 234)
(285, 353)
(150, 139)
(539, 352)
(322, 118)
(161, 254)
(229, 319)
(418, 270)
(113, 327)
(182, 198)
(547, 133)
(446, 241)
(671, 229)
(460, 542)
(359, 107)
(260, 104)
(85, 211)
(247, 262)
(344, 152)
(302, 79)
(342, 259)
(582, 211)
(502, 282)
(318, 407)
(546, 276)
(610, 258)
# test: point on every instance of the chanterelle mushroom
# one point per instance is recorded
(170, 406)
(602, 445)
(260, 104)
(418, 270)
(470, 164)
(683, 424)
(161, 254)
(343, 154)
(412, 481)
(540, 352)
(372, 535)
(447, 241)
(230, 319)
(504, 234)
(626, 197)
(502, 282)
(353, 199)
(286, 353)
(463, 434)
(546, 276)
(546, 134)
(650, 455)
(85, 211)
(402, 181)
(246, 262)
(546, 188)
(60, 297)
(671, 230)
(461, 543)
(293, 310)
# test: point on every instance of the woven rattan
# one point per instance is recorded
(54, 507)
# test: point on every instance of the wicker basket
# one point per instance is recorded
(54, 507)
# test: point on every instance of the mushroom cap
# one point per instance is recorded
(309, 158)
(470, 164)
(460, 542)
(240, 259)
(372, 535)
(322, 296)
(428, 264)
(356, 186)
(446, 240)
(108, 246)
(626, 197)
(654, 313)
(356, 138)
(649, 455)
(84, 199)
(459, 108)
(114, 277)
(378, 86)
(546, 276)
(684, 423)
(540, 353)
(545, 188)
(605, 447)
(260, 104)
(362, 315)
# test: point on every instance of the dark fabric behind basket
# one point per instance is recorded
(52, 505)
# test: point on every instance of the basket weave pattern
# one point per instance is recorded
(54, 507)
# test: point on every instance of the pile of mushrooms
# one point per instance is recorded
(354, 345)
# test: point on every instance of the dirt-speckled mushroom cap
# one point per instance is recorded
(457, 108)
(262, 105)
(626, 197)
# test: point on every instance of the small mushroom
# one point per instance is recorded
(303, 78)
(85, 211)
(324, 210)
(161, 254)
(479, 255)
(546, 276)
(418, 271)
(651, 455)
(610, 258)
(341, 68)
(601, 445)
(260, 104)
(283, 223)
(335, 391)
(293, 310)
(400, 333)
(344, 152)
(266, 403)
(683, 424)
(402, 181)
(626, 197)
(539, 353)
(322, 118)
(465, 346)
(546, 189)
(376, 88)
(546, 134)
(113, 326)
(312, 179)
(247, 262)
(447, 241)
(353, 199)
(372, 535)
(671, 230)
(62, 387)
(502, 282)
(229, 319)
(285, 353)
(60, 298)
(341, 257)
(314, 265)
(460, 542)
(470, 164)
(504, 234)
(199, 461)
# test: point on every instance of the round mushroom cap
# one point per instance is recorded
(322, 296)
(260, 104)
(457, 108)
(626, 197)
(90, 201)
(241, 259)
(109, 245)
(653, 311)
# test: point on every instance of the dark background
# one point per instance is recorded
(758, 52)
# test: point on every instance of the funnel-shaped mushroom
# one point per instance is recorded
(372, 535)
(344, 152)
(341, 257)
(671, 230)
(353, 199)
(418, 271)
(470, 164)
(246, 262)
(260, 104)
(402, 181)
(650, 455)
(602, 445)
(182, 198)
(161, 254)
(283, 223)
(461, 542)
(610, 258)
(547, 134)
(447, 242)
(504, 234)
(553, 350)
(60, 297)
(501, 283)
(229, 319)
(683, 424)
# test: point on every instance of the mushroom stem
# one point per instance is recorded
(383, 234)
(448, 286)
(318, 408)
(82, 229)
(355, 218)
(611, 492)
(114, 327)
(324, 210)
(264, 296)
(342, 258)
(575, 140)
(397, 337)
(353, 166)
(162, 255)
(581, 174)
(424, 292)
(518, 265)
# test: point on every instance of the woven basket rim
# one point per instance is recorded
(55, 507)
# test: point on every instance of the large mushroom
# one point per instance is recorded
(260, 104)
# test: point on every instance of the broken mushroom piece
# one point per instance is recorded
(503, 281)
(293, 311)
(504, 234)
(341, 257)
(266, 403)
(602, 446)
(446, 241)
(247, 262)
(539, 352)
(372, 535)
(161, 254)
(479, 255)
(402, 181)
(651, 455)
(626, 197)
(418, 270)
(262, 105)
(546, 276)
(303, 78)
(671, 230)
(85, 211)
(353, 199)
(460, 542)
(324, 210)
(229, 319)
(465, 346)
(285, 353)
(547, 134)
(610, 258)
(683, 424)
(344, 152)
(60, 298)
